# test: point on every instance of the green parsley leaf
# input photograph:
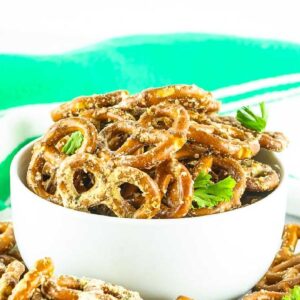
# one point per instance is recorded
(294, 294)
(252, 121)
(73, 143)
(208, 193)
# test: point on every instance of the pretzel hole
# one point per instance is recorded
(132, 194)
(83, 181)
(115, 142)
(103, 210)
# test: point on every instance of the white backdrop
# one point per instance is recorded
(57, 25)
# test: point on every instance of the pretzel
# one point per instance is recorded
(284, 272)
(183, 298)
(264, 295)
(151, 117)
(290, 237)
(190, 97)
(10, 278)
(260, 177)
(46, 154)
(144, 182)
(72, 288)
(164, 145)
(224, 139)
(42, 270)
(75, 107)
(176, 186)
(232, 168)
(7, 238)
(66, 185)
(274, 141)
(106, 115)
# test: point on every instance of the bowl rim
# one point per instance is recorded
(21, 152)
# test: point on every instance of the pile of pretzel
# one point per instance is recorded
(38, 283)
(141, 153)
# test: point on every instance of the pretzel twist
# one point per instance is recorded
(10, 278)
(224, 139)
(163, 145)
(232, 168)
(7, 238)
(46, 157)
(25, 288)
(72, 288)
(260, 177)
(176, 187)
(120, 206)
(75, 107)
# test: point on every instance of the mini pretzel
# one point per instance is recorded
(284, 272)
(120, 206)
(232, 168)
(290, 237)
(176, 186)
(164, 145)
(77, 105)
(42, 270)
(274, 141)
(72, 288)
(264, 295)
(224, 139)
(10, 278)
(7, 238)
(180, 122)
(260, 177)
(106, 115)
(190, 97)
(66, 188)
(46, 152)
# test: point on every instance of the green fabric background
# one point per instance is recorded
(138, 62)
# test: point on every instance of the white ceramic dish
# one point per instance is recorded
(212, 257)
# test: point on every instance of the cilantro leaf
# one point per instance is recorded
(73, 143)
(294, 294)
(209, 194)
(252, 121)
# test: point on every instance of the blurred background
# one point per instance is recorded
(54, 26)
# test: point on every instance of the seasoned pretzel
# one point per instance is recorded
(164, 145)
(260, 177)
(232, 168)
(120, 206)
(274, 141)
(66, 188)
(72, 288)
(46, 153)
(189, 96)
(10, 278)
(178, 126)
(176, 187)
(224, 139)
(106, 115)
(76, 106)
(284, 272)
(42, 270)
(7, 238)
(264, 295)
(290, 237)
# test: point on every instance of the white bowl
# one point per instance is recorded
(212, 257)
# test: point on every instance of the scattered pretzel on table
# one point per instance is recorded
(158, 140)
